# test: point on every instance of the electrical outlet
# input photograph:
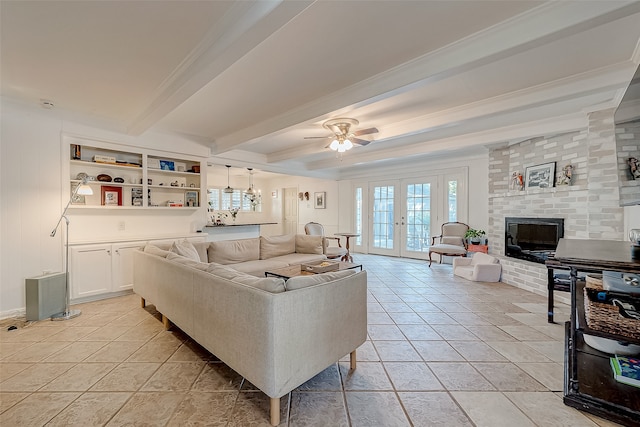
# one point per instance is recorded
(121, 226)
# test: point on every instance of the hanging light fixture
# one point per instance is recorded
(251, 191)
(228, 190)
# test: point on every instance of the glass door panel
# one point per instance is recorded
(419, 202)
(384, 230)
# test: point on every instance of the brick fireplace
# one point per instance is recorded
(590, 206)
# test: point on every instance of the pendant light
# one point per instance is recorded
(251, 191)
(228, 190)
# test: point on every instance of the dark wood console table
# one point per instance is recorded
(588, 383)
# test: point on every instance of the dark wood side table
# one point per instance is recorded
(347, 257)
(588, 381)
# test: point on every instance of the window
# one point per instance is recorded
(452, 199)
(220, 201)
(359, 215)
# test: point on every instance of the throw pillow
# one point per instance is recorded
(187, 261)
(154, 250)
(269, 284)
(274, 246)
(300, 282)
(309, 244)
(185, 248)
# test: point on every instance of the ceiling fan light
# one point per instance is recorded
(341, 148)
(334, 144)
(348, 145)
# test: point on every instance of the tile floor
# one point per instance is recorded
(441, 351)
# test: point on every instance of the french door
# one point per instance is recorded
(405, 213)
(401, 217)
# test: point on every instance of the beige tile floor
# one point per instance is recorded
(441, 351)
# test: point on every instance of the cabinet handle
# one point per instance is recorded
(108, 252)
(118, 251)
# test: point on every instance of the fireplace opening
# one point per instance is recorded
(532, 239)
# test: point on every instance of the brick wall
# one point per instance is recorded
(590, 206)
(628, 145)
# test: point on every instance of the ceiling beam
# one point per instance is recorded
(520, 130)
(537, 27)
(603, 80)
(244, 26)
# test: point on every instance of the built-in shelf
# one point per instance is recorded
(145, 186)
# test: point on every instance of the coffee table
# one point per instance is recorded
(296, 270)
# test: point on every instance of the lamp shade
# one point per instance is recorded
(84, 190)
(334, 145)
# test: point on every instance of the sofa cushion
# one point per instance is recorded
(293, 259)
(274, 246)
(300, 282)
(269, 284)
(185, 248)
(187, 261)
(234, 251)
(154, 250)
(258, 267)
(308, 244)
(201, 248)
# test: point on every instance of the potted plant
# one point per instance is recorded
(474, 236)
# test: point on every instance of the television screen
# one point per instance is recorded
(532, 239)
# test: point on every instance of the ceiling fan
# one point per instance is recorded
(343, 139)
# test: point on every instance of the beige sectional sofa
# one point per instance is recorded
(277, 334)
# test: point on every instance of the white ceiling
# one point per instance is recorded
(251, 80)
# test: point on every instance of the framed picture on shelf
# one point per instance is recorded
(77, 199)
(111, 196)
(191, 199)
(136, 196)
(319, 201)
(167, 165)
(540, 176)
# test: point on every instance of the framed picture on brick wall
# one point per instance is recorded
(540, 176)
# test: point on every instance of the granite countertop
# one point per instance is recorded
(239, 225)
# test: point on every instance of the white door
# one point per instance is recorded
(290, 210)
(384, 224)
(90, 270)
(418, 205)
(122, 263)
(401, 216)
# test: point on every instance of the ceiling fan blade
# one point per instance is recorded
(359, 141)
(365, 131)
(317, 137)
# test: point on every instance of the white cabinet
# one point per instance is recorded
(104, 268)
(122, 265)
(90, 270)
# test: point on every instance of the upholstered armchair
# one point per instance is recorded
(331, 252)
(480, 268)
(451, 241)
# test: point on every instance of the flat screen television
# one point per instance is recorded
(532, 239)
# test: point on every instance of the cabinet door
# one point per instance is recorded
(90, 270)
(122, 261)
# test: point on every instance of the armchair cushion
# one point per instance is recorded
(448, 249)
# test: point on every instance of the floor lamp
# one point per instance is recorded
(82, 189)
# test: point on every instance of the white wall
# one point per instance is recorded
(32, 198)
